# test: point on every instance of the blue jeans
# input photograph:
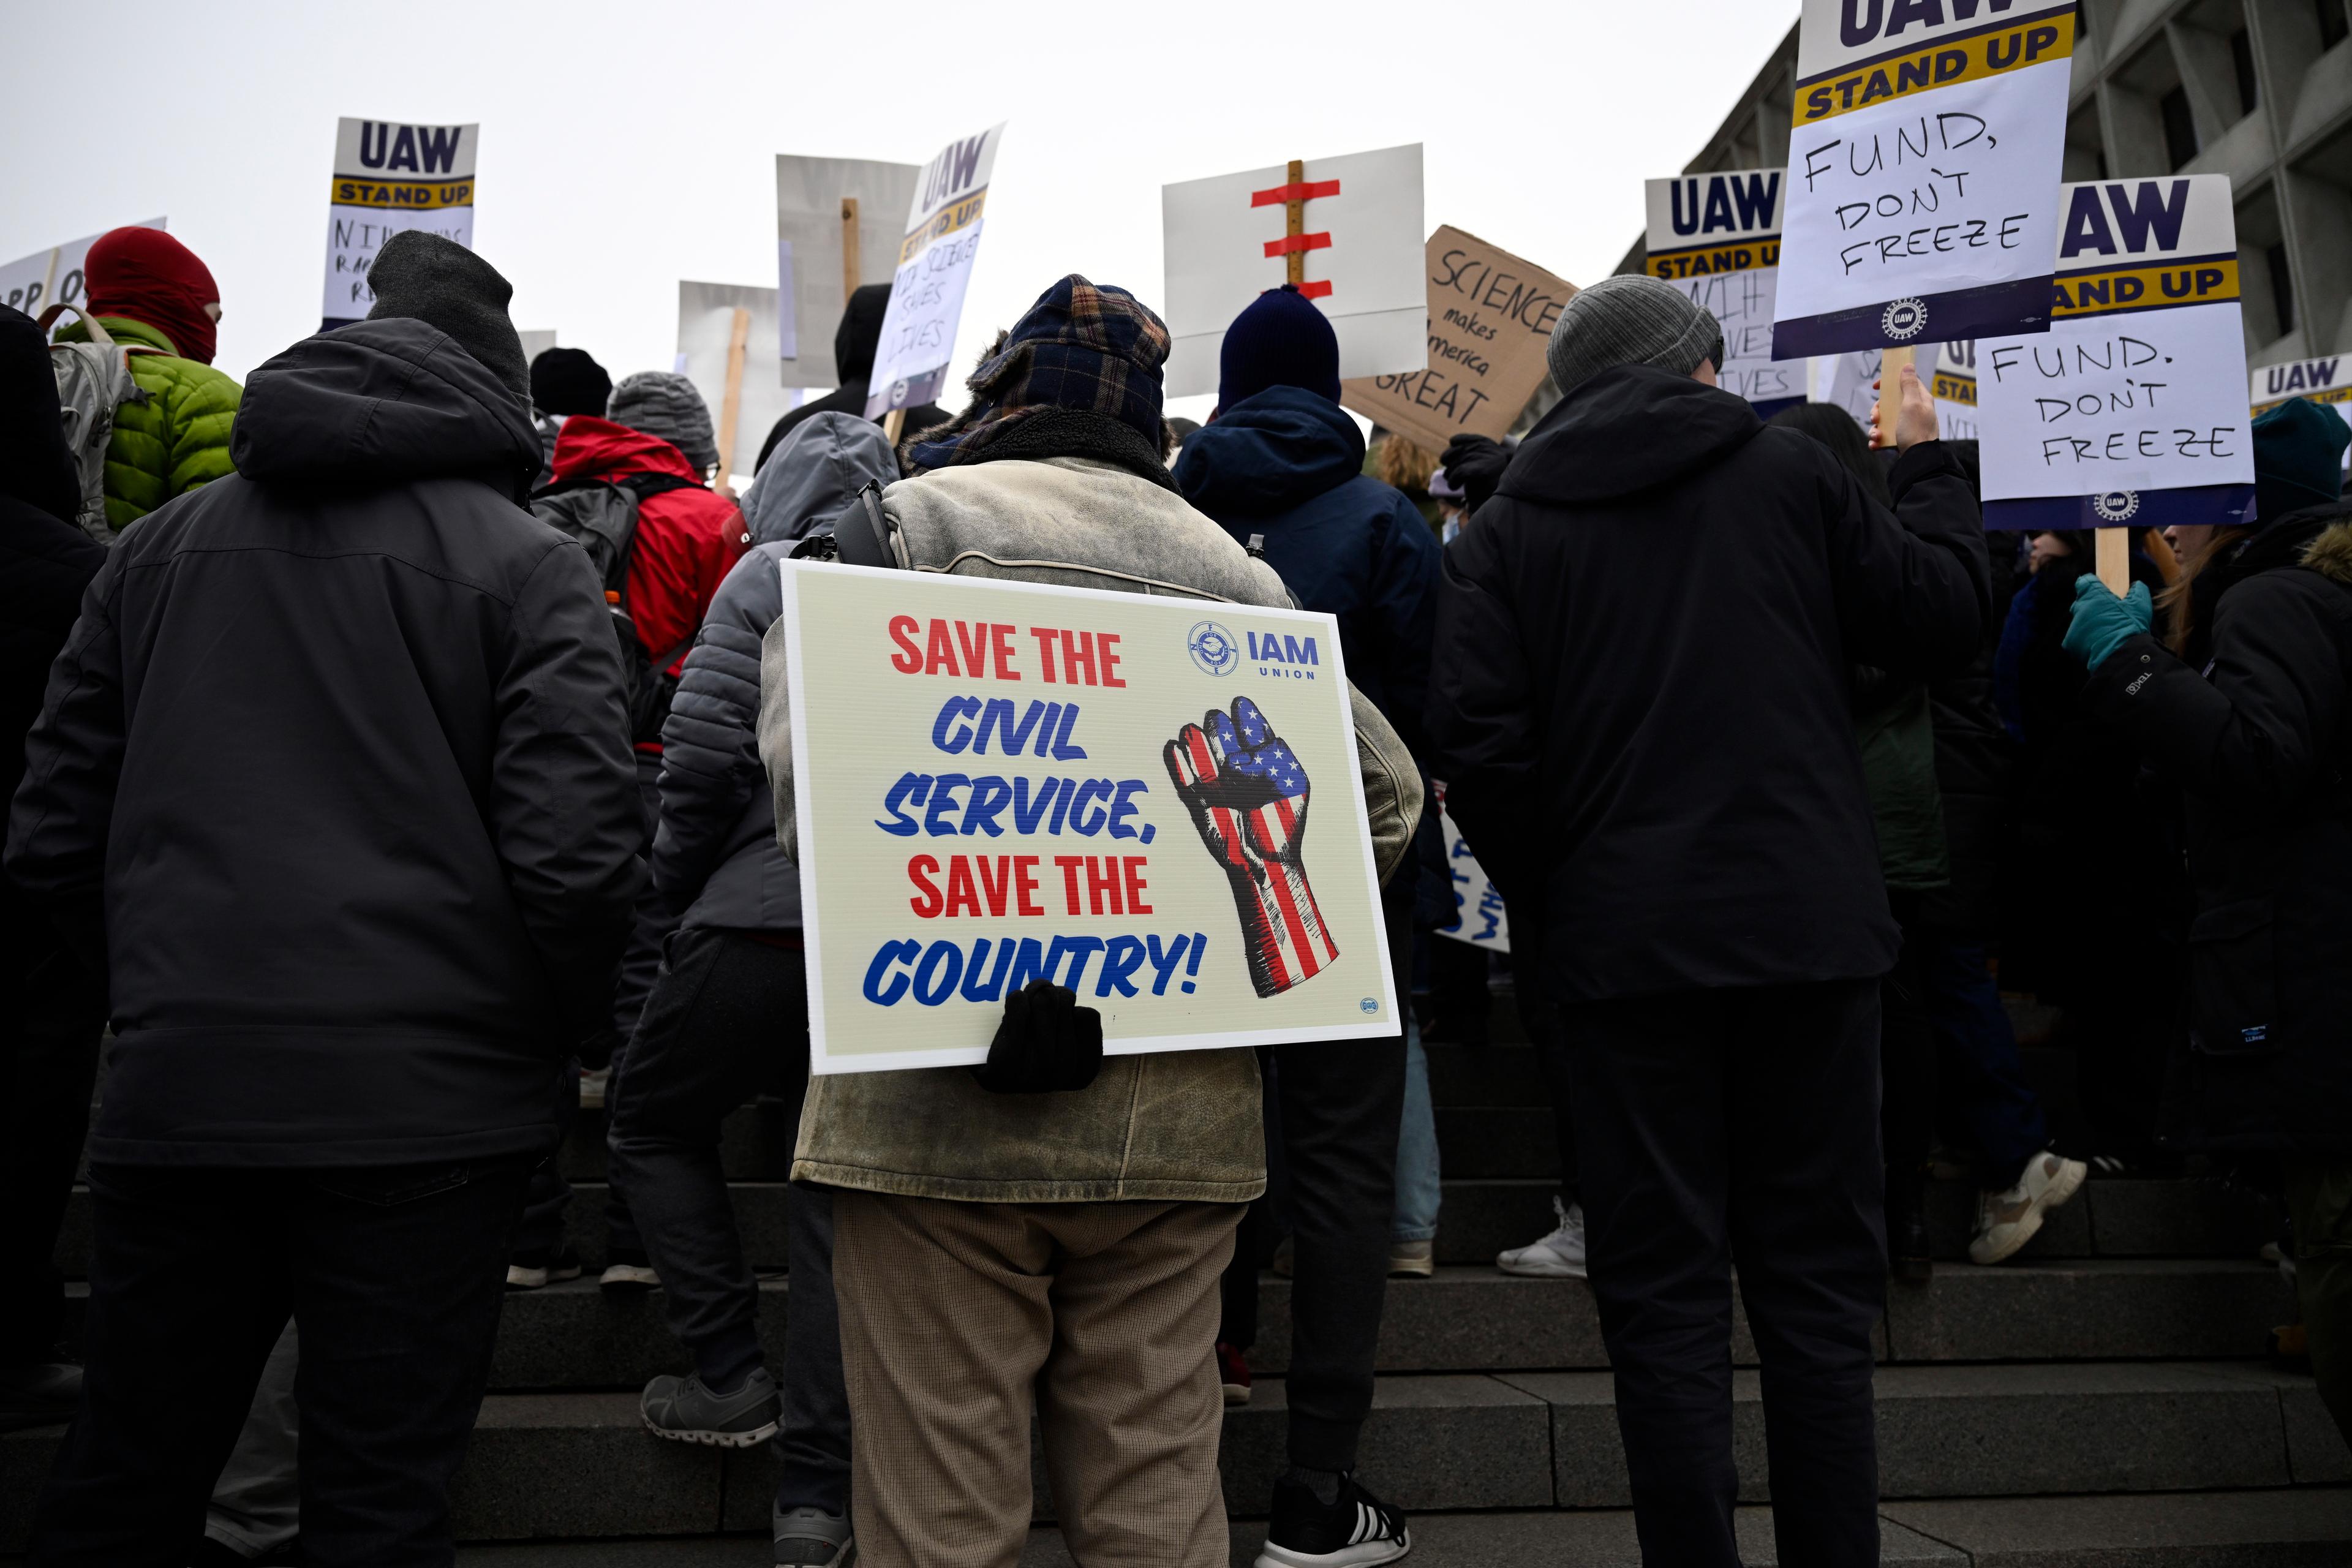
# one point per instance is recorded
(1417, 1190)
(1983, 1091)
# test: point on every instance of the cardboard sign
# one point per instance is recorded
(706, 327)
(1490, 319)
(1717, 237)
(2125, 413)
(53, 277)
(1925, 147)
(1153, 801)
(1227, 240)
(933, 268)
(810, 196)
(390, 177)
(1479, 917)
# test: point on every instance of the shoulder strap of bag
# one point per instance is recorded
(862, 536)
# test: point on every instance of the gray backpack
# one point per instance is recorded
(93, 381)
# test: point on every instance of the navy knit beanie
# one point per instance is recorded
(2298, 459)
(568, 381)
(1281, 339)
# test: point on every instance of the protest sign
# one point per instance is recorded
(1849, 380)
(52, 277)
(935, 255)
(708, 349)
(1153, 801)
(1954, 384)
(2327, 381)
(1490, 317)
(1346, 230)
(535, 343)
(2126, 411)
(1922, 161)
(390, 177)
(836, 218)
(1717, 237)
(1479, 917)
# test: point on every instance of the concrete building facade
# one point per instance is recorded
(2259, 91)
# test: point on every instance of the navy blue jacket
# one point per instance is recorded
(1288, 464)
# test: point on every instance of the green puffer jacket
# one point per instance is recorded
(175, 440)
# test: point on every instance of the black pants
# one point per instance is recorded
(395, 1276)
(52, 1012)
(1539, 1016)
(1332, 1115)
(728, 1020)
(1907, 1059)
(1742, 1122)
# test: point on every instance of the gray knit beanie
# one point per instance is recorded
(441, 283)
(659, 404)
(1631, 319)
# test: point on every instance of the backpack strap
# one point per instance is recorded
(98, 334)
(861, 535)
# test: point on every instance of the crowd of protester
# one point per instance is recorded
(406, 766)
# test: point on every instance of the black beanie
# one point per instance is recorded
(443, 284)
(567, 381)
(860, 333)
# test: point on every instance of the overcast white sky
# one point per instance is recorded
(627, 146)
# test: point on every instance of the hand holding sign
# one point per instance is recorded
(1247, 795)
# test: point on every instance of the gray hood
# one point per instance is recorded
(814, 473)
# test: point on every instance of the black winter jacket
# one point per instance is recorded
(2261, 745)
(332, 775)
(1640, 694)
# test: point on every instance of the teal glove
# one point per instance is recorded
(2104, 623)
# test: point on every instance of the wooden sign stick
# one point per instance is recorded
(2113, 558)
(732, 406)
(893, 423)
(850, 260)
(1293, 223)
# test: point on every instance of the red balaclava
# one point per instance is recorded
(148, 276)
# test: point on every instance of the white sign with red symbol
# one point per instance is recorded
(1152, 801)
(1359, 234)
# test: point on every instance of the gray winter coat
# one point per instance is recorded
(715, 855)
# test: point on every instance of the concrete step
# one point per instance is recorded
(2302, 1529)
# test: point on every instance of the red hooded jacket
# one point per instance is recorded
(685, 540)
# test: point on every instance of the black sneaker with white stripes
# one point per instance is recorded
(1353, 1529)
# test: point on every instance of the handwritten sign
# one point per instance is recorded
(809, 230)
(1479, 917)
(934, 270)
(1717, 237)
(1226, 241)
(53, 277)
(390, 177)
(1490, 319)
(1152, 801)
(1925, 147)
(2126, 411)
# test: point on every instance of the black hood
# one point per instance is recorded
(35, 465)
(382, 402)
(1625, 431)
(860, 333)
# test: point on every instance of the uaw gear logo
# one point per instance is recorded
(1904, 320)
(2115, 506)
(1214, 649)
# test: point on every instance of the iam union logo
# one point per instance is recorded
(1904, 320)
(2117, 506)
(1214, 649)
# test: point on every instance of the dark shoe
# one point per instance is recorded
(812, 1537)
(1908, 1253)
(536, 1270)
(1352, 1531)
(211, 1553)
(684, 1410)
(39, 1394)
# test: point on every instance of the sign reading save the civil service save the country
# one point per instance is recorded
(1152, 801)
(388, 177)
(1923, 159)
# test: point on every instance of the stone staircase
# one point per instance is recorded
(2103, 1399)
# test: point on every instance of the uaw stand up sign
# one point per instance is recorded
(1922, 162)
(1152, 801)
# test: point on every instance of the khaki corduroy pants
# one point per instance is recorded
(957, 1319)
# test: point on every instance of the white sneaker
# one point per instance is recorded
(593, 1083)
(628, 1277)
(1559, 1255)
(2007, 1221)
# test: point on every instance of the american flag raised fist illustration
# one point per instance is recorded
(1247, 793)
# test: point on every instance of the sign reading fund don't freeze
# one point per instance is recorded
(935, 260)
(390, 177)
(1923, 157)
(1152, 801)
(2126, 411)
(1717, 237)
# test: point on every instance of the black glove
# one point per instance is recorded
(1476, 464)
(1047, 1043)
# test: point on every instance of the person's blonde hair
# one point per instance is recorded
(1397, 462)
(2178, 607)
